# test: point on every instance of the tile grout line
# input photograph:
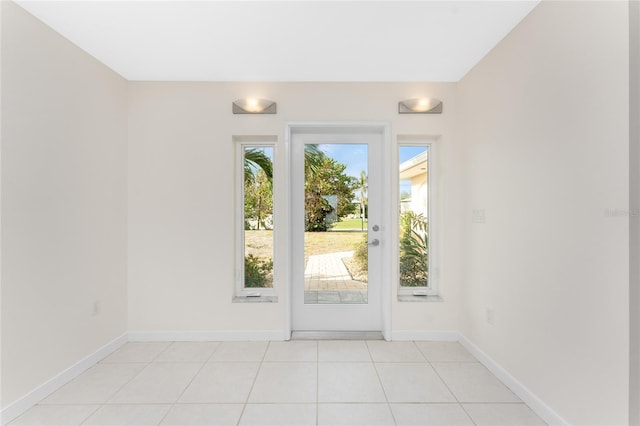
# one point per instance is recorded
(172, 405)
(384, 392)
(244, 406)
(90, 415)
(110, 397)
(261, 362)
(445, 383)
(176, 402)
(477, 362)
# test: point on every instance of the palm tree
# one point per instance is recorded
(313, 158)
(362, 187)
(256, 159)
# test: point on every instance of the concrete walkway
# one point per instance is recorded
(327, 272)
(327, 280)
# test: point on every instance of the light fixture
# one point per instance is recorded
(254, 106)
(420, 106)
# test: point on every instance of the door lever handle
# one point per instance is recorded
(374, 242)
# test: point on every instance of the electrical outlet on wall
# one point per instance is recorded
(489, 316)
(95, 308)
(477, 216)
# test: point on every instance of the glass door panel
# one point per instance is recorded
(335, 234)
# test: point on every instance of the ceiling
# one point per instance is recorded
(285, 40)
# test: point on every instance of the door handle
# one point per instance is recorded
(374, 242)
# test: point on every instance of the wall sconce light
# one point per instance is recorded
(420, 106)
(254, 106)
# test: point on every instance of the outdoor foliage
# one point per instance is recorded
(258, 211)
(326, 177)
(256, 159)
(317, 209)
(257, 272)
(363, 186)
(313, 157)
(361, 254)
(414, 250)
(258, 199)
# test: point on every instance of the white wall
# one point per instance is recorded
(181, 214)
(544, 122)
(1, 34)
(634, 206)
(63, 203)
(535, 135)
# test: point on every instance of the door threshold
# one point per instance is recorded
(336, 335)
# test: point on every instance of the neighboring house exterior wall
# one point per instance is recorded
(415, 170)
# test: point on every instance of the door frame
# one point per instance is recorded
(383, 128)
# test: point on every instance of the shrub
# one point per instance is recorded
(257, 271)
(361, 254)
(316, 210)
(414, 250)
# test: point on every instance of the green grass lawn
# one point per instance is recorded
(349, 224)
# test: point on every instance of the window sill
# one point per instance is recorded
(419, 299)
(255, 299)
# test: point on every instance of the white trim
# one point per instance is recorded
(285, 242)
(17, 408)
(386, 296)
(207, 336)
(436, 336)
(536, 404)
(336, 335)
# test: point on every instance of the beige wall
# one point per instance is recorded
(544, 121)
(63, 203)
(181, 213)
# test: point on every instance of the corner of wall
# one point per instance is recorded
(536, 164)
(63, 203)
(634, 207)
(1, 138)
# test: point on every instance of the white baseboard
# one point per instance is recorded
(20, 406)
(441, 336)
(536, 404)
(203, 336)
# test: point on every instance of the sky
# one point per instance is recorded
(355, 157)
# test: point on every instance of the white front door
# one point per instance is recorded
(337, 228)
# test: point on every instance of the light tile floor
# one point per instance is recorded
(285, 383)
